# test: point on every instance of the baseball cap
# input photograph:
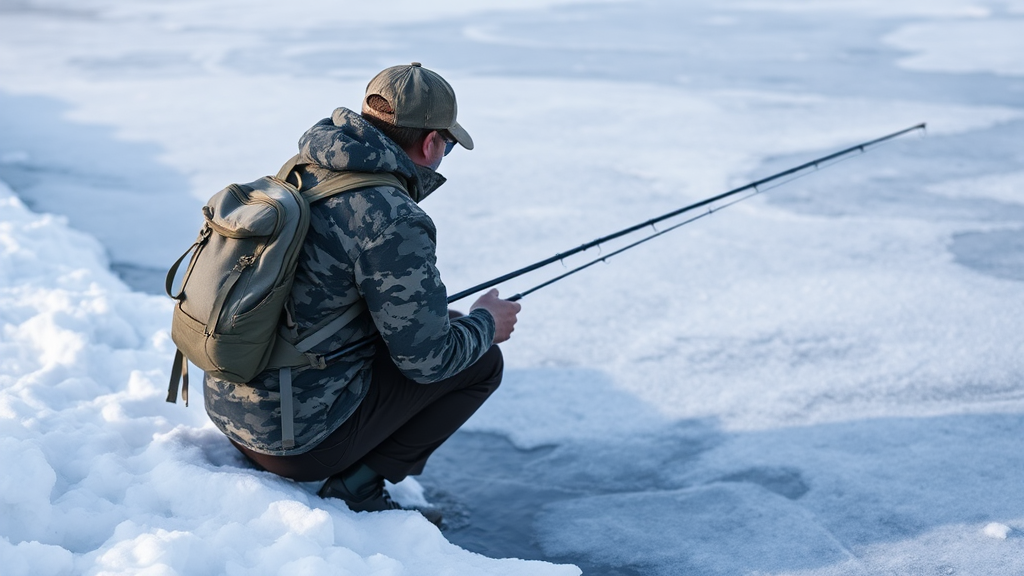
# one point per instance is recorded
(420, 98)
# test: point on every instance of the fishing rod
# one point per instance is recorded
(754, 186)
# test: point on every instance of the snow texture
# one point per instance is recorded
(997, 530)
(822, 380)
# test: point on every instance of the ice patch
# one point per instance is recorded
(995, 46)
(564, 415)
(1008, 187)
(714, 530)
(180, 14)
(876, 8)
(998, 253)
(16, 157)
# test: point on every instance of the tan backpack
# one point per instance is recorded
(228, 313)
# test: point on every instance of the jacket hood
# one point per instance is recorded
(347, 142)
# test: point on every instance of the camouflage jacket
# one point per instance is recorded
(374, 245)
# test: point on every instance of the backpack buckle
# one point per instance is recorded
(316, 361)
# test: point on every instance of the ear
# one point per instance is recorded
(422, 153)
(430, 144)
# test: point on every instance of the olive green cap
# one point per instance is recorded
(420, 98)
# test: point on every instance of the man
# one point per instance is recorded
(380, 411)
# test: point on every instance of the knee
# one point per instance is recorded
(495, 367)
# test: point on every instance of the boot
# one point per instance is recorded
(363, 490)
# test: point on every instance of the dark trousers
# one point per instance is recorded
(397, 426)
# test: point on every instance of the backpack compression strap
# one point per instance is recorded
(179, 369)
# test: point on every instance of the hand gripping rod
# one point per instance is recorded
(816, 163)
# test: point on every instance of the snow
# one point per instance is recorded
(997, 530)
(824, 379)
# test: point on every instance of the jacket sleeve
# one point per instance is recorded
(397, 276)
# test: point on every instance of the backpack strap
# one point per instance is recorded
(288, 168)
(293, 352)
(287, 408)
(179, 369)
(341, 182)
(297, 354)
(346, 181)
(196, 246)
(287, 354)
(179, 373)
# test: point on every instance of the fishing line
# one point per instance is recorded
(709, 212)
(757, 186)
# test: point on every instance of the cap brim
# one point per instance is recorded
(461, 136)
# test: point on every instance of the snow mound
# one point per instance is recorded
(997, 530)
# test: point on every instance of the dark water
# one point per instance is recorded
(649, 504)
(492, 492)
(501, 501)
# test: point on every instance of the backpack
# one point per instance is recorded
(228, 312)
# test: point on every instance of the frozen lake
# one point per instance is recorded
(825, 379)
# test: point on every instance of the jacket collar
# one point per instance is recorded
(346, 142)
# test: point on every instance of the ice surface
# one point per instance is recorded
(822, 380)
(860, 8)
(939, 46)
